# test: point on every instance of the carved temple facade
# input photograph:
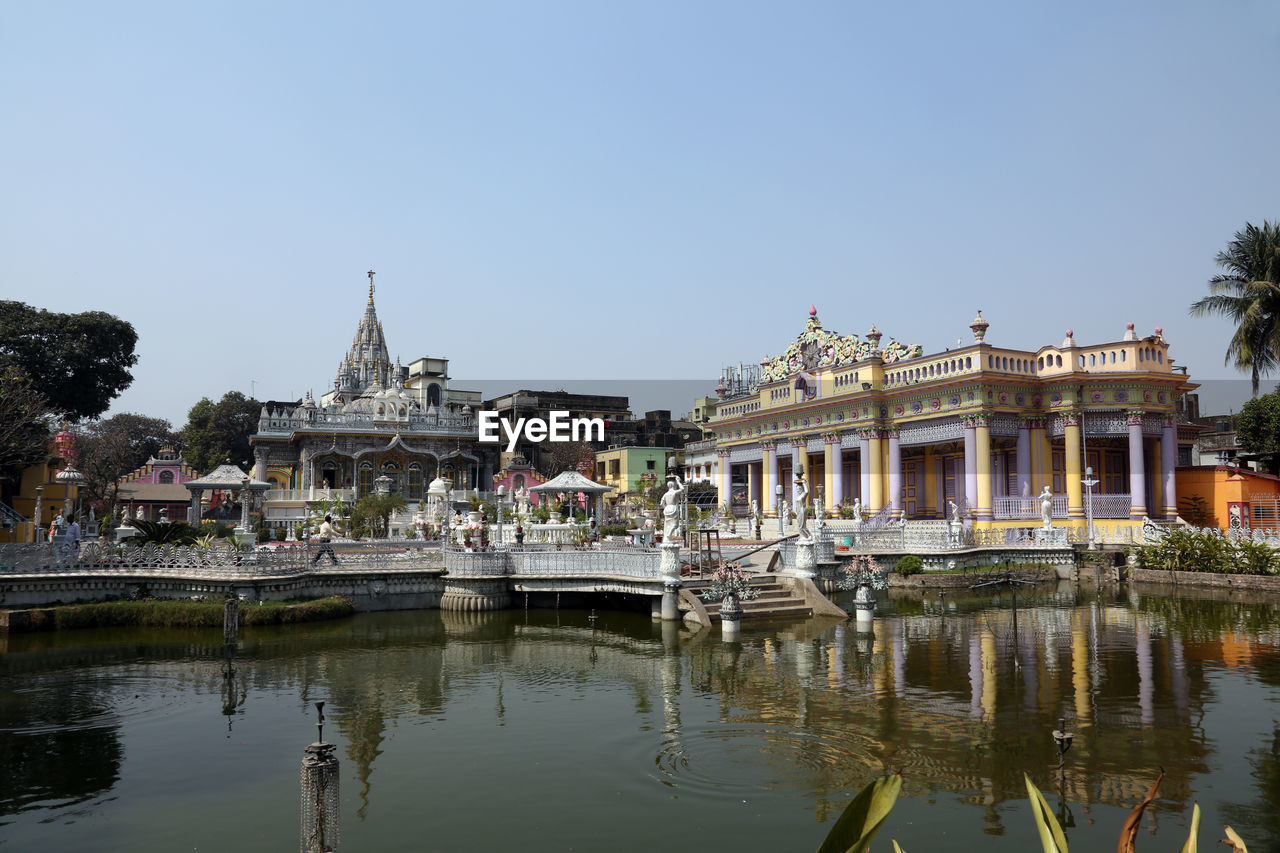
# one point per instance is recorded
(906, 434)
(379, 420)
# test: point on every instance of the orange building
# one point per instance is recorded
(1225, 496)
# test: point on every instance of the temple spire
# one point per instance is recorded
(371, 275)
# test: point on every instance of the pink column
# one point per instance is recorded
(970, 462)
(1137, 468)
(1169, 465)
(864, 466)
(895, 475)
(837, 476)
(1024, 458)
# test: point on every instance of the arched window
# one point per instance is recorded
(392, 470)
(413, 490)
(1040, 362)
(433, 395)
(165, 477)
(518, 482)
(365, 480)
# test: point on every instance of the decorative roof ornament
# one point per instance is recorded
(1069, 340)
(1159, 334)
(817, 347)
(979, 326)
(1129, 333)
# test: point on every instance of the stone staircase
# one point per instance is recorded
(773, 601)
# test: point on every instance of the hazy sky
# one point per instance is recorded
(595, 190)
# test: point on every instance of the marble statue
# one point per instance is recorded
(857, 510)
(1046, 508)
(955, 512)
(671, 508)
(802, 509)
(755, 509)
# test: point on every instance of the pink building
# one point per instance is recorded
(156, 486)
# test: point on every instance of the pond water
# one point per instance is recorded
(543, 730)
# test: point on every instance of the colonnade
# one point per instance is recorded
(939, 471)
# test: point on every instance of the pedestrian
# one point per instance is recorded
(71, 541)
(326, 537)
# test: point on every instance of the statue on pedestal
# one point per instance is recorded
(802, 509)
(671, 508)
(1046, 508)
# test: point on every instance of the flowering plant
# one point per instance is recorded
(863, 570)
(727, 581)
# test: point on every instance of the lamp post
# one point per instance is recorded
(777, 493)
(67, 476)
(497, 502)
(1089, 482)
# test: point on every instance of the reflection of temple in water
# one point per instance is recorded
(959, 695)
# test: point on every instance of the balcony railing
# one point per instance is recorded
(1104, 506)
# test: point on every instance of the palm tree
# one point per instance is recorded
(1249, 294)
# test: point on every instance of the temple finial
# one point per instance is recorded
(371, 275)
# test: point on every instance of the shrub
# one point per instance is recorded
(909, 565)
(613, 530)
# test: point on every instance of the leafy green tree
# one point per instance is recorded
(1258, 430)
(24, 427)
(1248, 294)
(80, 362)
(375, 511)
(219, 432)
(108, 449)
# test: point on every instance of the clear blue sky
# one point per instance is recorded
(672, 184)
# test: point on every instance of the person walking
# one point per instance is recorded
(326, 537)
(71, 540)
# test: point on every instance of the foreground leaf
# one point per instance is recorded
(1051, 837)
(1129, 832)
(897, 849)
(1190, 846)
(861, 819)
(1236, 842)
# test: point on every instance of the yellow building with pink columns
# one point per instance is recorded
(979, 429)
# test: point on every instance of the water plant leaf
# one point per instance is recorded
(1129, 832)
(897, 849)
(1051, 837)
(1190, 846)
(1234, 840)
(861, 819)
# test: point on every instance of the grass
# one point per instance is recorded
(156, 613)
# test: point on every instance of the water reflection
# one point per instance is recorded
(959, 694)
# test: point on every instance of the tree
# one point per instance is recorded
(560, 456)
(80, 362)
(1258, 430)
(24, 426)
(1249, 295)
(111, 448)
(219, 432)
(375, 511)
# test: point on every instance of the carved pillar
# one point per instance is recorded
(970, 463)
(1169, 465)
(260, 455)
(895, 473)
(799, 455)
(769, 472)
(835, 467)
(982, 461)
(1024, 457)
(196, 494)
(1071, 464)
(864, 467)
(1137, 467)
(876, 475)
(726, 478)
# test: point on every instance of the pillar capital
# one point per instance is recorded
(1031, 422)
(1168, 421)
(768, 445)
(831, 438)
(1070, 419)
(1135, 417)
(980, 419)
